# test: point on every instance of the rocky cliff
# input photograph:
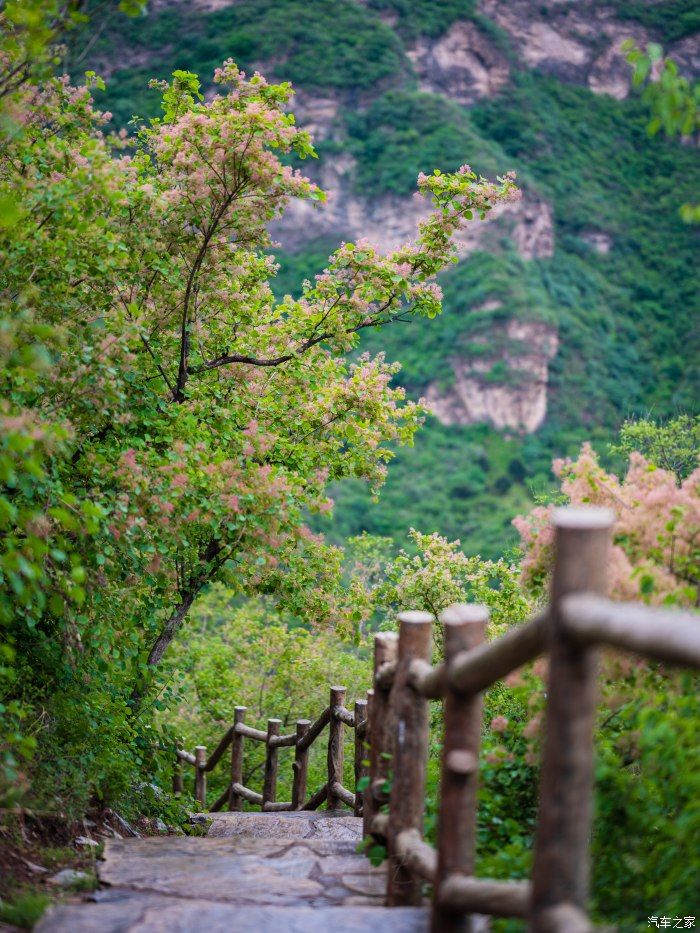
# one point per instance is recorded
(578, 42)
(463, 60)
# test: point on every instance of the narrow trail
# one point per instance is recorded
(252, 873)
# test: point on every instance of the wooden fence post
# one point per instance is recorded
(464, 628)
(271, 762)
(235, 802)
(385, 651)
(367, 750)
(300, 766)
(178, 786)
(360, 769)
(335, 748)
(561, 870)
(200, 775)
(409, 714)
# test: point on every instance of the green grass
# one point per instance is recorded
(25, 909)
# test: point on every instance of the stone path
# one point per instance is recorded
(252, 873)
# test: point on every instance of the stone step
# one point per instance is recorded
(130, 912)
(245, 870)
(243, 877)
(301, 824)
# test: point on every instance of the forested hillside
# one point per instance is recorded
(182, 399)
(567, 313)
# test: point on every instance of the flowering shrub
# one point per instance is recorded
(656, 551)
(438, 574)
(181, 422)
(648, 727)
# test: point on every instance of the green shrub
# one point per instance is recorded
(425, 17)
(406, 132)
(316, 44)
(673, 19)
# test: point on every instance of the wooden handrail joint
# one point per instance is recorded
(473, 671)
(380, 825)
(283, 741)
(345, 716)
(416, 854)
(342, 793)
(247, 794)
(667, 635)
(315, 730)
(485, 896)
(384, 678)
(380, 791)
(256, 734)
(427, 680)
(315, 801)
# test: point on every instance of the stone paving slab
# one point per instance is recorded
(132, 912)
(298, 825)
(244, 870)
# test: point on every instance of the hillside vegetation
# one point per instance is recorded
(625, 314)
(179, 408)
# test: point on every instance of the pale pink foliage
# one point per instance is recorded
(656, 550)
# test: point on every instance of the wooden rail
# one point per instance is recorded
(335, 716)
(577, 620)
(393, 723)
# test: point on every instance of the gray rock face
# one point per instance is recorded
(580, 41)
(520, 402)
(462, 64)
(68, 877)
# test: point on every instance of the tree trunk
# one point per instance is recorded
(172, 625)
(162, 643)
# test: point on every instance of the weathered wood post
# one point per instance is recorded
(385, 651)
(464, 628)
(335, 747)
(271, 763)
(561, 871)
(409, 713)
(300, 767)
(178, 785)
(200, 775)
(360, 769)
(367, 751)
(235, 801)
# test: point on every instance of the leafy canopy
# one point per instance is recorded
(167, 421)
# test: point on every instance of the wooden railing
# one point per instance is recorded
(577, 620)
(335, 716)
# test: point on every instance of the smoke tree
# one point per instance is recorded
(166, 422)
(656, 546)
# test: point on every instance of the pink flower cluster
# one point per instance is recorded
(656, 554)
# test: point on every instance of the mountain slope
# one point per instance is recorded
(568, 313)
